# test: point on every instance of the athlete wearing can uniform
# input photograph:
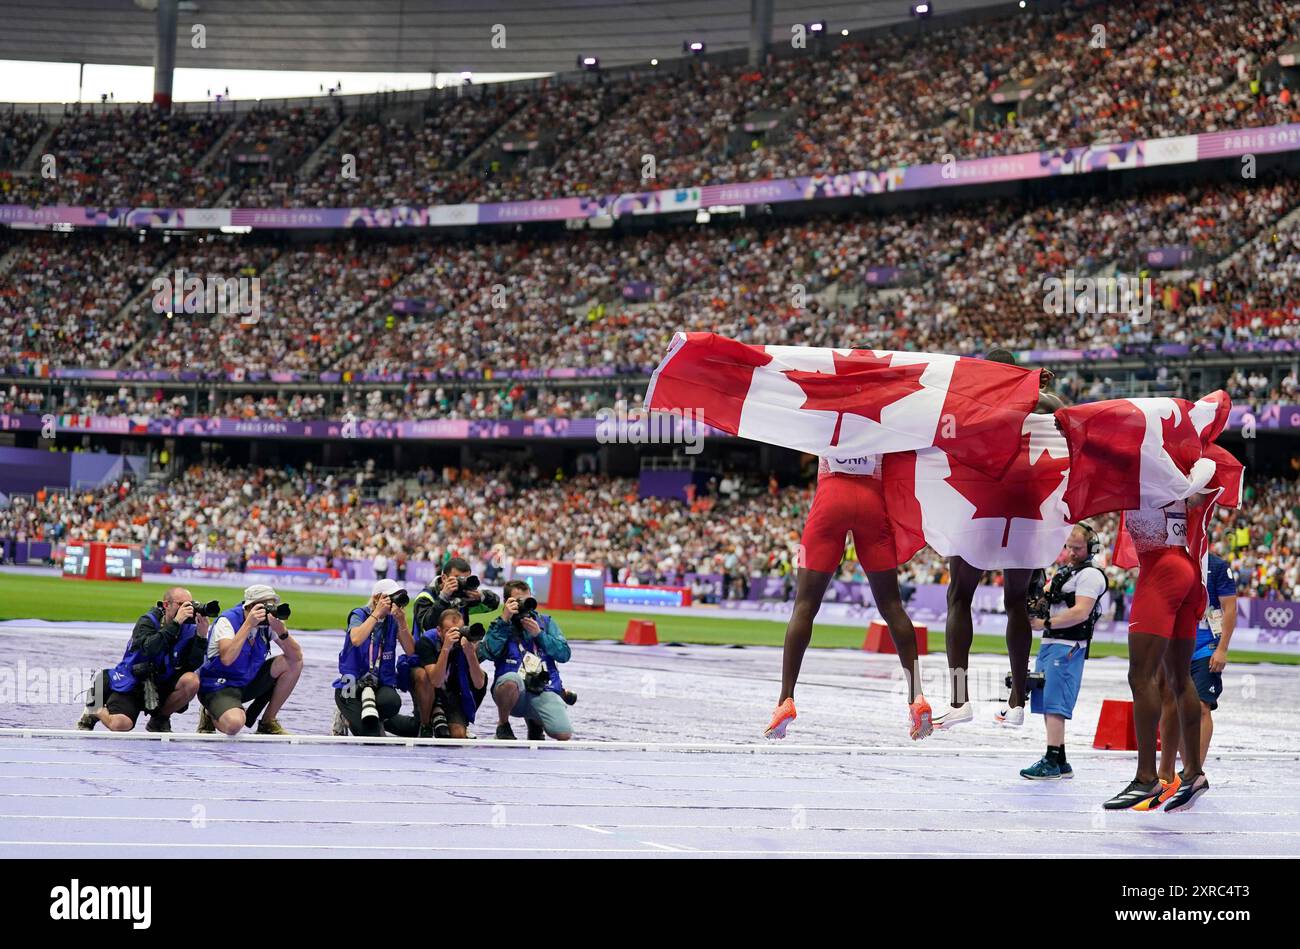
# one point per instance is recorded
(1167, 602)
(1213, 634)
(849, 500)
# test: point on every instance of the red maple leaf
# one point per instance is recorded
(1181, 440)
(861, 383)
(1020, 492)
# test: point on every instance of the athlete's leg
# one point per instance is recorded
(1146, 651)
(1020, 637)
(1207, 731)
(1171, 729)
(798, 632)
(884, 589)
(1178, 672)
(958, 632)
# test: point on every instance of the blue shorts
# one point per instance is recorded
(547, 708)
(1062, 668)
(1209, 685)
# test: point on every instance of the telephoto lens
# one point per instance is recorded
(211, 609)
(400, 599)
(369, 709)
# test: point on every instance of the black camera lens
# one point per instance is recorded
(469, 583)
(475, 633)
(211, 609)
(400, 599)
(529, 605)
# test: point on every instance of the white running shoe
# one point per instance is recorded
(339, 727)
(1010, 716)
(954, 716)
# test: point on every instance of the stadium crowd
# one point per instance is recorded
(1157, 68)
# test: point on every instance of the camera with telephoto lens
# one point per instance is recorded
(1036, 602)
(473, 633)
(369, 707)
(1033, 680)
(144, 673)
(211, 609)
(280, 611)
(400, 598)
(536, 676)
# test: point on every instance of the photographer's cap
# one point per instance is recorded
(260, 593)
(385, 588)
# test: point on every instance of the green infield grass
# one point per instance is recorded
(61, 600)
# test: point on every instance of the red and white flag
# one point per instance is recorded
(1142, 453)
(850, 402)
(1015, 521)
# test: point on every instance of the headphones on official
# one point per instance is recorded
(1094, 543)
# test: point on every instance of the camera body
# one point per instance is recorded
(1037, 602)
(400, 599)
(474, 632)
(535, 672)
(280, 611)
(210, 609)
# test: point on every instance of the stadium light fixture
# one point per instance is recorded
(922, 9)
(844, 32)
(818, 27)
(589, 63)
(654, 62)
(695, 47)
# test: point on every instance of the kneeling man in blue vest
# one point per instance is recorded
(239, 669)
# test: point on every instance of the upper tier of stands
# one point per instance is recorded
(1167, 67)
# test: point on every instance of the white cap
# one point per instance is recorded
(384, 588)
(260, 593)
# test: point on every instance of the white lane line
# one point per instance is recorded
(426, 849)
(763, 747)
(651, 843)
(719, 828)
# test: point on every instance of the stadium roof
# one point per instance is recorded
(414, 35)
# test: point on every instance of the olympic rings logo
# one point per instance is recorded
(1277, 616)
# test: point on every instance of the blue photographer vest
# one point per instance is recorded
(122, 679)
(214, 674)
(356, 661)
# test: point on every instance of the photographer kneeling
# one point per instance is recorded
(449, 697)
(525, 647)
(240, 668)
(452, 683)
(157, 672)
(365, 691)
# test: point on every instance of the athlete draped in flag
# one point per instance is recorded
(1167, 604)
(849, 500)
(1155, 460)
(959, 632)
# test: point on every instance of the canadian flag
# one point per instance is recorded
(1018, 520)
(850, 402)
(1127, 454)
(1142, 453)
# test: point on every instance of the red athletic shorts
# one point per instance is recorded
(844, 504)
(1169, 598)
